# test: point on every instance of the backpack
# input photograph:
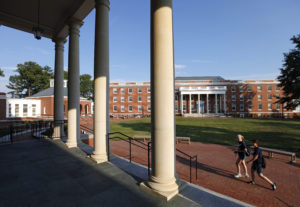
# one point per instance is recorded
(263, 163)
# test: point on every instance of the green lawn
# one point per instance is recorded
(279, 134)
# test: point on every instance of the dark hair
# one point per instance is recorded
(255, 141)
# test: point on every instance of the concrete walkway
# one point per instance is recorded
(46, 173)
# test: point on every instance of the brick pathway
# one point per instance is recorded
(216, 165)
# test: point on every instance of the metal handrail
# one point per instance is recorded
(190, 159)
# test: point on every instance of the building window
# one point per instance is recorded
(259, 115)
(122, 90)
(241, 97)
(250, 106)
(129, 98)
(176, 98)
(17, 110)
(139, 90)
(25, 110)
(139, 108)
(149, 108)
(130, 108)
(241, 107)
(149, 90)
(259, 106)
(129, 90)
(277, 96)
(149, 98)
(183, 97)
(259, 96)
(9, 110)
(184, 107)
(278, 106)
(122, 98)
(122, 108)
(269, 88)
(233, 107)
(232, 88)
(250, 97)
(33, 109)
(192, 107)
(249, 89)
(258, 88)
(115, 90)
(115, 99)
(241, 88)
(140, 99)
(176, 108)
(269, 96)
(192, 97)
(269, 106)
(277, 88)
(115, 108)
(270, 115)
(233, 98)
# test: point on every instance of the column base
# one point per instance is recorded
(71, 144)
(99, 158)
(166, 195)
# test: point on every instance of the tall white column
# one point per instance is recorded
(220, 103)
(190, 103)
(199, 101)
(101, 81)
(225, 104)
(207, 103)
(216, 103)
(162, 179)
(73, 85)
(59, 89)
(181, 104)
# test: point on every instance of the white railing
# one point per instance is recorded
(206, 88)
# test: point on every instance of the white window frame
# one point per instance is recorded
(115, 90)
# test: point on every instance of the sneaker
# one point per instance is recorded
(237, 175)
(251, 182)
(246, 175)
(274, 186)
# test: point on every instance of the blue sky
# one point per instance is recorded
(236, 39)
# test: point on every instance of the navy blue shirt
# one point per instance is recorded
(241, 148)
(257, 151)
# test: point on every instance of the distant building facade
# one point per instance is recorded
(204, 96)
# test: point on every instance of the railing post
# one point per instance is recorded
(149, 158)
(130, 149)
(190, 169)
(196, 167)
(108, 147)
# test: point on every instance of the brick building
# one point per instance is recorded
(204, 96)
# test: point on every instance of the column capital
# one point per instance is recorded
(59, 43)
(102, 2)
(74, 25)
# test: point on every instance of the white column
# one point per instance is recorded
(207, 103)
(216, 103)
(181, 104)
(101, 74)
(190, 103)
(59, 89)
(224, 103)
(162, 179)
(199, 101)
(73, 85)
(220, 103)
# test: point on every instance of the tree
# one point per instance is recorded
(1, 73)
(290, 76)
(86, 86)
(31, 78)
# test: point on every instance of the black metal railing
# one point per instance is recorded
(190, 162)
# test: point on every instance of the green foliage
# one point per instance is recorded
(30, 79)
(86, 86)
(1, 73)
(65, 75)
(290, 76)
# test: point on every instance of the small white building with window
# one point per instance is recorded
(23, 108)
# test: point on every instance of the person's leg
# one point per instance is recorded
(265, 178)
(245, 168)
(273, 184)
(238, 168)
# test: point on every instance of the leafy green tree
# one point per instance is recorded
(65, 75)
(30, 79)
(1, 73)
(86, 86)
(290, 76)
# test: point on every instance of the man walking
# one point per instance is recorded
(257, 165)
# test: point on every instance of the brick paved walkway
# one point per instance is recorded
(216, 165)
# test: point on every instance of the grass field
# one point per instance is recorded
(278, 134)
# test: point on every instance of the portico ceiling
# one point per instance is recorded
(54, 15)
